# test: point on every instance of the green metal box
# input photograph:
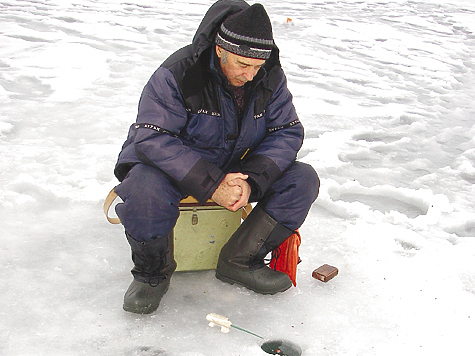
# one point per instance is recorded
(200, 233)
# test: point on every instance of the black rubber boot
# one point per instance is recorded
(154, 265)
(242, 258)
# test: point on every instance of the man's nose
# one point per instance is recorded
(249, 74)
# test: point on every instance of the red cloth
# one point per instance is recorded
(288, 259)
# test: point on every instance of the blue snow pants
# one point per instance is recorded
(150, 200)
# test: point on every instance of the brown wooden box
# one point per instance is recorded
(325, 273)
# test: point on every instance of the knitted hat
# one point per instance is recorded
(247, 33)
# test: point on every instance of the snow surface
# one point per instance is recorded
(385, 91)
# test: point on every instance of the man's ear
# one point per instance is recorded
(219, 51)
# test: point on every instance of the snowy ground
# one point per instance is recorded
(385, 90)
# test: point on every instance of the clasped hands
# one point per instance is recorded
(233, 192)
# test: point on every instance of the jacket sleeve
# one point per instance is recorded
(161, 117)
(278, 149)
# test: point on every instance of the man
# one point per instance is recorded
(216, 120)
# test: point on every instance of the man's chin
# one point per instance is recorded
(238, 83)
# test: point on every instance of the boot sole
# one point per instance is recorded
(233, 281)
(139, 310)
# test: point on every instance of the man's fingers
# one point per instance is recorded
(236, 181)
(232, 176)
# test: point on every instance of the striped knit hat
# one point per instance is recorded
(247, 33)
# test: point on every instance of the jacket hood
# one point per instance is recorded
(196, 74)
(216, 14)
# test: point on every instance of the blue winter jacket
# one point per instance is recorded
(187, 124)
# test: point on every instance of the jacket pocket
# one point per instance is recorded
(205, 131)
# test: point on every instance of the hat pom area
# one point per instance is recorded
(247, 33)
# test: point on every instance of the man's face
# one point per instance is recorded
(238, 69)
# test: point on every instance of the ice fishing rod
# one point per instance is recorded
(225, 323)
(274, 347)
